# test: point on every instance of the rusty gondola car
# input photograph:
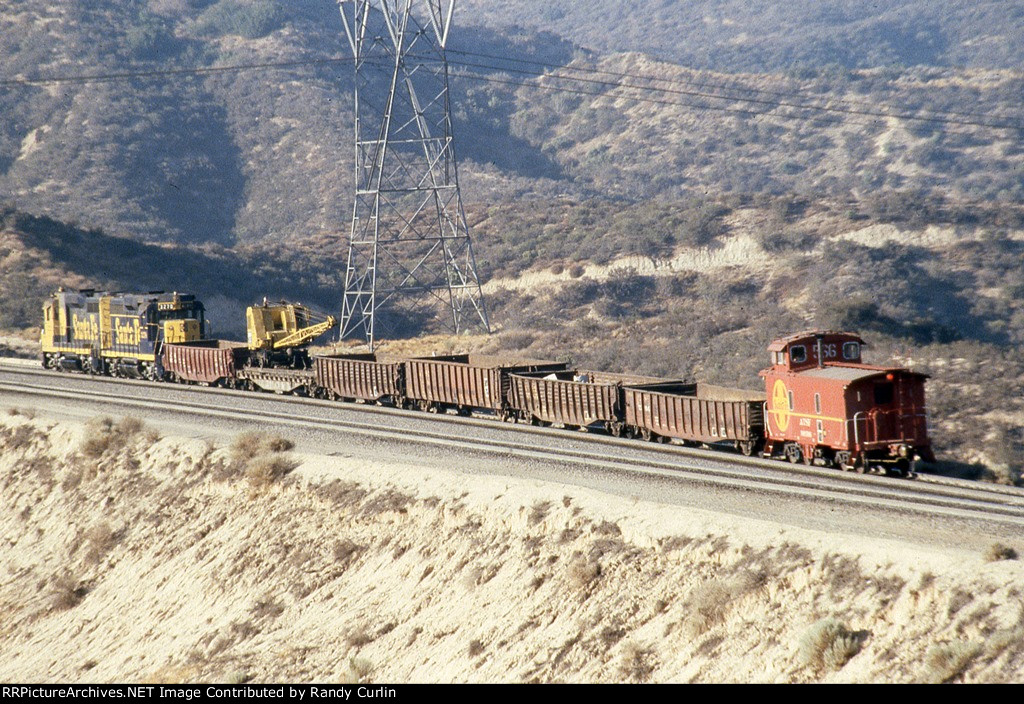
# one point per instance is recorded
(696, 413)
(467, 382)
(360, 377)
(574, 399)
(205, 362)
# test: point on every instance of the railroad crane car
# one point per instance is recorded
(826, 407)
(279, 334)
(121, 334)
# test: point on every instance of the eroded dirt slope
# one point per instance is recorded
(130, 557)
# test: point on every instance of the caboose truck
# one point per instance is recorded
(826, 407)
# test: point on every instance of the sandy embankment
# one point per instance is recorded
(161, 560)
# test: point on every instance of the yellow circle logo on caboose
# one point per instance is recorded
(780, 405)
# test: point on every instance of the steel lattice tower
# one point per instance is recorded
(409, 248)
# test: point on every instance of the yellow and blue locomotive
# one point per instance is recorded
(121, 334)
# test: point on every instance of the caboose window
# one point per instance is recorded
(883, 394)
(798, 354)
(851, 350)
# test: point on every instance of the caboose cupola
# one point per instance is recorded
(815, 348)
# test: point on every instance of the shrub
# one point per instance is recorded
(359, 636)
(828, 645)
(950, 660)
(582, 572)
(539, 512)
(251, 20)
(104, 436)
(998, 551)
(709, 603)
(100, 538)
(358, 670)
(636, 663)
(263, 471)
(252, 444)
(66, 592)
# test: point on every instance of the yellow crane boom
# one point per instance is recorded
(305, 335)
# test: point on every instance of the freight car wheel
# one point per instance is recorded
(646, 434)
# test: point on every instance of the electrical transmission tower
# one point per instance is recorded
(409, 254)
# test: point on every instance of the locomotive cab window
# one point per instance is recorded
(798, 354)
(851, 350)
(883, 394)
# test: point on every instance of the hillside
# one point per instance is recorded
(242, 564)
(754, 35)
(264, 153)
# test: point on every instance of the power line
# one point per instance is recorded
(655, 101)
(156, 73)
(690, 82)
(756, 101)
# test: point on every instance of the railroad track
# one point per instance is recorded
(949, 498)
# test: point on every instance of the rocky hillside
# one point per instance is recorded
(752, 35)
(249, 564)
(264, 152)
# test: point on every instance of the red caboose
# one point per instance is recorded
(826, 407)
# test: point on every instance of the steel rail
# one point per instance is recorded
(802, 487)
(958, 488)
